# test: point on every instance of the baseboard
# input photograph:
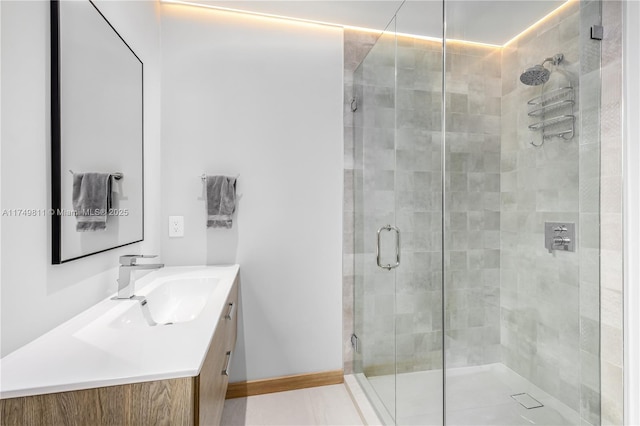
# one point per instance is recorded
(286, 383)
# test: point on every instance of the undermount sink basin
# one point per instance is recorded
(170, 302)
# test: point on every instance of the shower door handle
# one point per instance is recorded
(389, 267)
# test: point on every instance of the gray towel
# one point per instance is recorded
(221, 201)
(91, 200)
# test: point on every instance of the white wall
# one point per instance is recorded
(632, 211)
(1, 204)
(37, 296)
(261, 98)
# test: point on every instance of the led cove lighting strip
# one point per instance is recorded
(259, 14)
(369, 30)
(540, 21)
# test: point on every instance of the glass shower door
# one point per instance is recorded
(398, 215)
(376, 239)
(419, 379)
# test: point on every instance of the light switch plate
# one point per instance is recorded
(176, 226)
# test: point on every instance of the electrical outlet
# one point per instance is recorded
(176, 226)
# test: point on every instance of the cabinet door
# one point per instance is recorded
(231, 316)
(212, 383)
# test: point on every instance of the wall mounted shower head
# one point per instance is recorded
(535, 76)
(538, 74)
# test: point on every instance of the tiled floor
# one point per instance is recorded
(324, 405)
(475, 396)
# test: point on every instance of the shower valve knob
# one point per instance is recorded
(561, 241)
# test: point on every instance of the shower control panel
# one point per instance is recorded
(560, 236)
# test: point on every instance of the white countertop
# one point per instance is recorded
(85, 352)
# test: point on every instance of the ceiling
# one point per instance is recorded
(483, 21)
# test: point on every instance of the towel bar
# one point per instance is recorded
(116, 175)
(204, 176)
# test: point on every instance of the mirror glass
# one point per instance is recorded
(97, 119)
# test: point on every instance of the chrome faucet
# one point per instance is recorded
(126, 286)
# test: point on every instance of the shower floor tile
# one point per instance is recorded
(478, 395)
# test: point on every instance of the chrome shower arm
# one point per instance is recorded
(555, 59)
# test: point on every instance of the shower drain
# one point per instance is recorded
(527, 401)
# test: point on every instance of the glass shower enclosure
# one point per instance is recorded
(476, 215)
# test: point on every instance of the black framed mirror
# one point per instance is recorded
(97, 134)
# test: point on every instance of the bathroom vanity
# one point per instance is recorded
(118, 363)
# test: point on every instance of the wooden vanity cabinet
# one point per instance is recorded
(212, 382)
(184, 401)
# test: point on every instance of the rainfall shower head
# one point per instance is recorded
(538, 74)
(535, 76)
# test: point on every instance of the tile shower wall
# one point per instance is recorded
(539, 294)
(418, 204)
(549, 309)
(473, 217)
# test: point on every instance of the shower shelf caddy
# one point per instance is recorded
(554, 109)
